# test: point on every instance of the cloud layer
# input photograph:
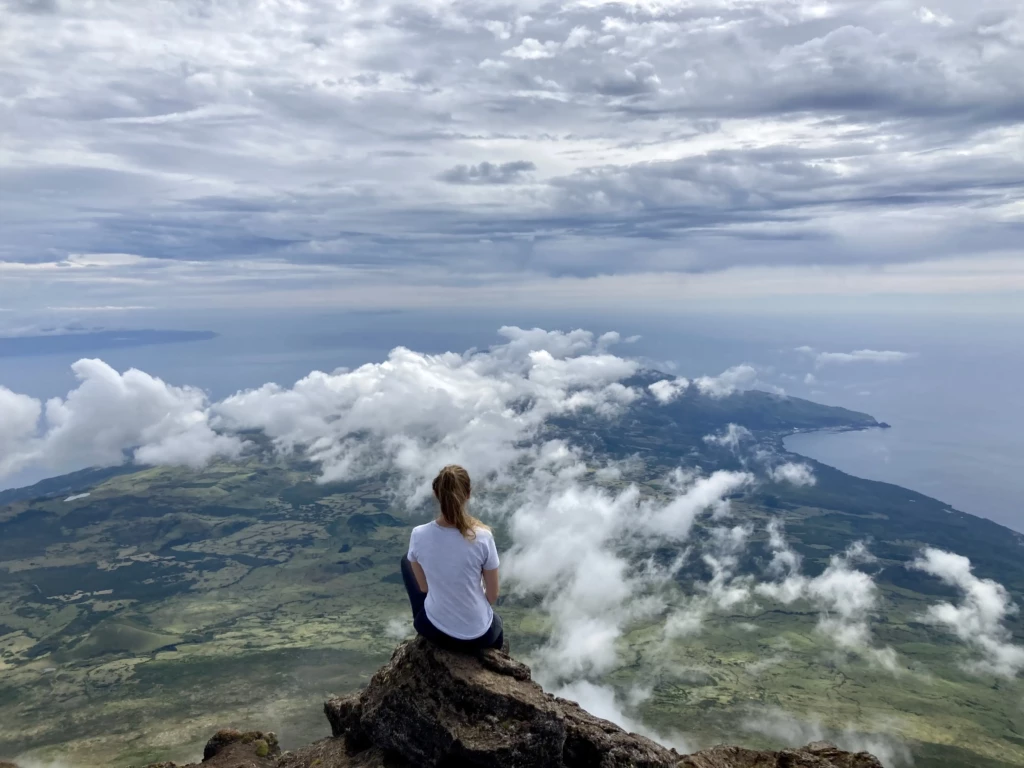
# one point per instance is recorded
(216, 151)
(596, 551)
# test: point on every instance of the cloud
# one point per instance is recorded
(531, 48)
(602, 701)
(667, 390)
(791, 731)
(727, 589)
(761, 457)
(399, 628)
(810, 151)
(107, 415)
(734, 379)
(799, 474)
(730, 438)
(419, 411)
(978, 620)
(785, 562)
(860, 356)
(575, 546)
(488, 173)
(19, 414)
(846, 597)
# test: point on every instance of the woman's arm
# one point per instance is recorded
(421, 577)
(491, 586)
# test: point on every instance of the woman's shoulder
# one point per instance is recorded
(483, 533)
(420, 530)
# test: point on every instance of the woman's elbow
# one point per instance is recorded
(491, 589)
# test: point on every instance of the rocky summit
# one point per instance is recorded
(431, 707)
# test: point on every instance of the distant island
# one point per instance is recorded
(93, 340)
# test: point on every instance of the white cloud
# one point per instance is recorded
(928, 16)
(19, 415)
(795, 732)
(860, 356)
(732, 380)
(978, 619)
(785, 562)
(667, 390)
(730, 437)
(573, 547)
(846, 598)
(798, 474)
(602, 701)
(107, 415)
(420, 411)
(531, 48)
(726, 590)
(399, 628)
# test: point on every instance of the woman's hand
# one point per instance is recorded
(491, 586)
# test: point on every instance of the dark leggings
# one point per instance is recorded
(492, 638)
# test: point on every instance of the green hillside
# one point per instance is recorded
(167, 602)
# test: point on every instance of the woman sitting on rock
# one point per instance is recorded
(451, 572)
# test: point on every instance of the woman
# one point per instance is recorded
(451, 572)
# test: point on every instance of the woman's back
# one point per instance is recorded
(453, 564)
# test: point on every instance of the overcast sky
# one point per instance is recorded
(382, 153)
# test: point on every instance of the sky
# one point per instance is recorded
(637, 154)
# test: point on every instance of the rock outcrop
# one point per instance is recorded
(430, 708)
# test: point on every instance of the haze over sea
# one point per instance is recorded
(953, 403)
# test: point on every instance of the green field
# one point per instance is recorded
(168, 603)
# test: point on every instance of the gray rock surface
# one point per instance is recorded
(431, 708)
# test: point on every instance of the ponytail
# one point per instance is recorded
(451, 489)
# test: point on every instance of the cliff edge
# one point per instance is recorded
(430, 707)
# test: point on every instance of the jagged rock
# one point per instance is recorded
(433, 706)
(430, 708)
(263, 744)
(817, 755)
(334, 753)
(5, 764)
(437, 708)
(236, 749)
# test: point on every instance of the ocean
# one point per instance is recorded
(953, 402)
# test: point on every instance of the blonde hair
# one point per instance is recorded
(451, 488)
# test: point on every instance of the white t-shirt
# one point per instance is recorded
(456, 603)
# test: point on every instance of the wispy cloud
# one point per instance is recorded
(846, 596)
(978, 620)
(822, 359)
(861, 356)
(792, 731)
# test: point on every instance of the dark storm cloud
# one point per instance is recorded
(618, 137)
